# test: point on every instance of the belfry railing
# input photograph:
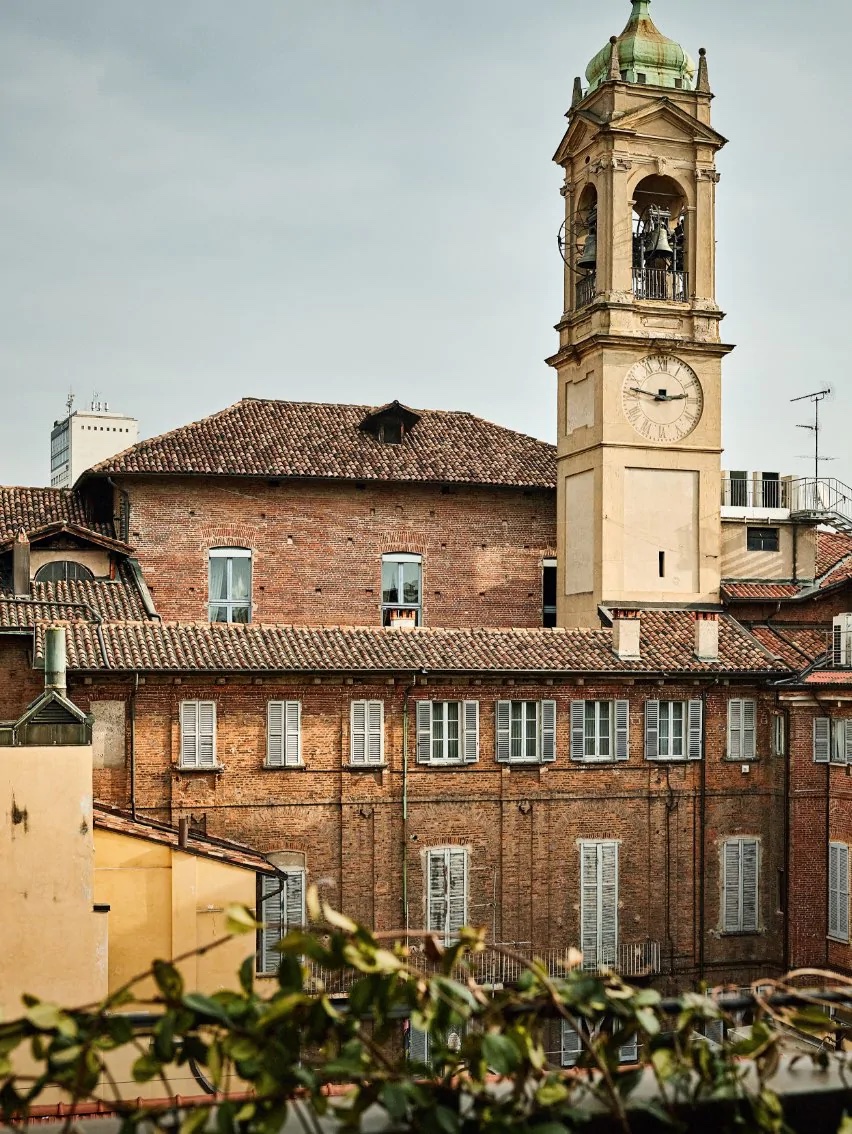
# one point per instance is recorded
(660, 283)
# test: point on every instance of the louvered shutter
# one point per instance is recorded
(571, 1045)
(272, 916)
(714, 1030)
(629, 1052)
(749, 850)
(418, 1045)
(295, 905)
(693, 731)
(652, 730)
(470, 738)
(293, 733)
(589, 898)
(206, 734)
(375, 732)
(548, 732)
(358, 733)
(822, 740)
(731, 886)
(578, 730)
(833, 894)
(275, 733)
(609, 902)
(848, 741)
(502, 725)
(735, 730)
(749, 729)
(457, 892)
(436, 893)
(189, 734)
(424, 732)
(622, 730)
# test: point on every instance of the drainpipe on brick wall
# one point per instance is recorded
(405, 799)
(785, 755)
(133, 745)
(702, 836)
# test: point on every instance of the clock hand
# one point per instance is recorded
(671, 397)
(647, 393)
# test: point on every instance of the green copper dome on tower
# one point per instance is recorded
(645, 55)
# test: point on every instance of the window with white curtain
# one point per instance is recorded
(229, 574)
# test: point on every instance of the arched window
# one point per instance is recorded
(660, 268)
(63, 571)
(229, 576)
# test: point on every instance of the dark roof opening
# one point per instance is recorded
(390, 423)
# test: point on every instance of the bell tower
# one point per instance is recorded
(639, 360)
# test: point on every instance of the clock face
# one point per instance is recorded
(662, 398)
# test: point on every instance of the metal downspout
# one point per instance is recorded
(405, 800)
(702, 834)
(133, 745)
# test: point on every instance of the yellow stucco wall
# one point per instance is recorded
(52, 942)
(165, 902)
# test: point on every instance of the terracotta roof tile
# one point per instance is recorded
(115, 600)
(828, 677)
(831, 548)
(667, 646)
(798, 646)
(34, 508)
(732, 590)
(257, 437)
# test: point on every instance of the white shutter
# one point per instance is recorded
(578, 730)
(822, 740)
(275, 733)
(470, 734)
(295, 903)
(358, 733)
(735, 730)
(589, 904)
(749, 851)
(609, 902)
(206, 734)
(375, 732)
(622, 730)
(749, 729)
(652, 730)
(424, 732)
(693, 731)
(456, 892)
(189, 734)
(293, 733)
(833, 895)
(629, 1052)
(418, 1045)
(848, 741)
(731, 886)
(502, 724)
(272, 916)
(599, 903)
(838, 891)
(548, 732)
(571, 1045)
(436, 891)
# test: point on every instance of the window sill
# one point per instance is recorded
(740, 933)
(365, 767)
(441, 765)
(597, 761)
(672, 760)
(739, 760)
(837, 940)
(191, 769)
(267, 767)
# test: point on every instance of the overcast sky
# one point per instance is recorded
(353, 200)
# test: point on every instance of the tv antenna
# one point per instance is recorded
(816, 398)
(69, 402)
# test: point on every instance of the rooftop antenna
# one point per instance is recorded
(95, 402)
(816, 398)
(69, 402)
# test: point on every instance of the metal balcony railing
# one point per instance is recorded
(635, 959)
(586, 290)
(660, 283)
(822, 498)
(755, 492)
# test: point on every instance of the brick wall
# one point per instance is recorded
(317, 547)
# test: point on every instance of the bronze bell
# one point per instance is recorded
(589, 255)
(661, 248)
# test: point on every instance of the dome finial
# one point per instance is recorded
(614, 66)
(703, 82)
(578, 91)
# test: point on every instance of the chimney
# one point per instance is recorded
(706, 635)
(21, 565)
(183, 833)
(54, 659)
(626, 625)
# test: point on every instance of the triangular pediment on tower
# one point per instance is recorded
(664, 119)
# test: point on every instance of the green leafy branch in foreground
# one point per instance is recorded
(297, 1043)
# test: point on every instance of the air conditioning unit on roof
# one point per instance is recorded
(841, 642)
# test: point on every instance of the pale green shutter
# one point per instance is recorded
(470, 736)
(548, 732)
(693, 731)
(272, 916)
(578, 730)
(749, 850)
(292, 733)
(735, 730)
(848, 741)
(189, 734)
(358, 733)
(295, 903)
(749, 729)
(629, 1052)
(456, 892)
(589, 885)
(436, 892)
(375, 732)
(571, 1045)
(731, 886)
(609, 902)
(418, 1045)
(622, 730)
(275, 733)
(652, 730)
(838, 891)
(424, 732)
(502, 714)
(206, 734)
(822, 740)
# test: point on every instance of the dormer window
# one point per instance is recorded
(391, 431)
(391, 423)
(63, 571)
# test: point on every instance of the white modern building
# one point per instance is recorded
(84, 438)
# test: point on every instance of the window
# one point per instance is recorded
(779, 734)
(447, 732)
(739, 489)
(740, 885)
(198, 734)
(283, 734)
(230, 584)
(599, 903)
(832, 741)
(599, 730)
(63, 571)
(741, 729)
(446, 891)
(572, 1047)
(367, 732)
(548, 592)
(526, 732)
(762, 539)
(838, 891)
(673, 730)
(402, 582)
(282, 908)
